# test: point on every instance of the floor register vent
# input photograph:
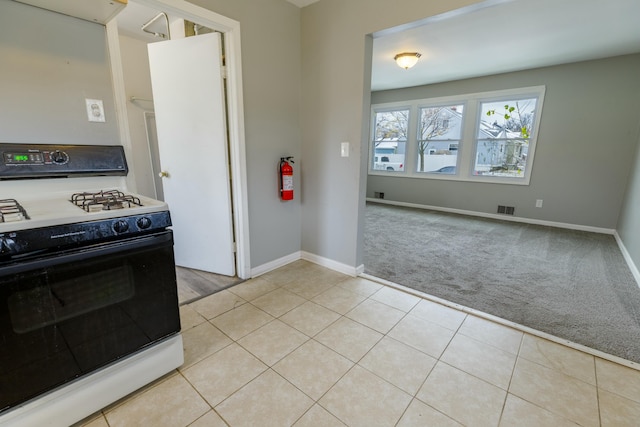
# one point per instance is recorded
(507, 210)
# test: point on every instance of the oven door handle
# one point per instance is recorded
(83, 253)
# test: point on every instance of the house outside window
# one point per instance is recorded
(439, 129)
(482, 137)
(503, 137)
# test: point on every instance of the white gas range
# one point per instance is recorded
(87, 276)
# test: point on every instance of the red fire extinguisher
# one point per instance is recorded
(285, 173)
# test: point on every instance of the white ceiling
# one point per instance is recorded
(492, 37)
(498, 36)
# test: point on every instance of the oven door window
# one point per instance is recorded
(60, 295)
(67, 315)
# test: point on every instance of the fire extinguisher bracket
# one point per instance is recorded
(285, 175)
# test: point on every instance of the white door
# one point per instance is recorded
(186, 78)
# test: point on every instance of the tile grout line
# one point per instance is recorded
(458, 330)
(513, 371)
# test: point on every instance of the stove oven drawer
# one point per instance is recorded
(66, 315)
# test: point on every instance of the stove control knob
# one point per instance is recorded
(120, 226)
(143, 223)
(59, 157)
(7, 245)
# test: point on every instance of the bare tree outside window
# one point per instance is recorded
(391, 125)
(439, 131)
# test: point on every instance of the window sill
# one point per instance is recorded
(445, 177)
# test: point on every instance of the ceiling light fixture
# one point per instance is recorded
(407, 60)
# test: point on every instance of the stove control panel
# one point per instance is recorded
(35, 158)
(57, 237)
(22, 161)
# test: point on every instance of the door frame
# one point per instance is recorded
(235, 110)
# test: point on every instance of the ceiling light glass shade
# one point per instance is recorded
(407, 60)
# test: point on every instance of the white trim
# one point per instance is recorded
(496, 216)
(87, 395)
(627, 258)
(331, 264)
(275, 264)
(231, 30)
(316, 259)
(517, 326)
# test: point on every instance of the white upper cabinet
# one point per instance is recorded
(99, 11)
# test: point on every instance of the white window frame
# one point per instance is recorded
(467, 147)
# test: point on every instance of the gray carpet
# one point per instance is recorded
(572, 284)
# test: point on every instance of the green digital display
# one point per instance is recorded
(21, 158)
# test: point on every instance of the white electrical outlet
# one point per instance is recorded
(539, 203)
(95, 110)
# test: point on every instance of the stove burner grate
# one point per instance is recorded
(104, 200)
(11, 210)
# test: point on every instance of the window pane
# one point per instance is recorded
(439, 135)
(391, 125)
(503, 137)
(389, 156)
(390, 138)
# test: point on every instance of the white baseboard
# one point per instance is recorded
(498, 217)
(276, 263)
(316, 259)
(628, 259)
(332, 265)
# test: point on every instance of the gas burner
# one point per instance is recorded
(10, 211)
(104, 200)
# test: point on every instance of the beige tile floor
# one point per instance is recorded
(306, 346)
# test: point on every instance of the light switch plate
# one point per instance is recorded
(95, 110)
(344, 149)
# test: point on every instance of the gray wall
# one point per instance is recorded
(587, 139)
(629, 224)
(335, 88)
(270, 32)
(49, 64)
(137, 82)
(305, 81)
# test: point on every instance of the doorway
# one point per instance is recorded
(234, 108)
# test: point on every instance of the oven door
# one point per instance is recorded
(63, 316)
